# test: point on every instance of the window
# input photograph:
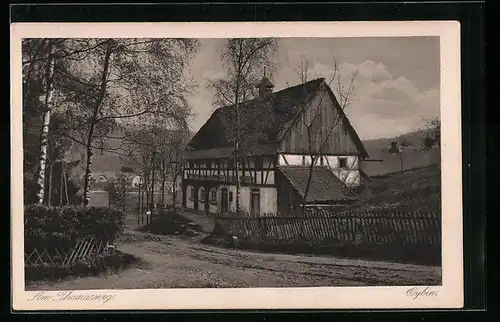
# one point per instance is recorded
(202, 195)
(230, 196)
(191, 193)
(342, 162)
(213, 196)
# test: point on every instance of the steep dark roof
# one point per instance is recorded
(264, 121)
(324, 186)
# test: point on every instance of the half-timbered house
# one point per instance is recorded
(274, 154)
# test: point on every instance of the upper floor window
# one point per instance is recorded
(342, 162)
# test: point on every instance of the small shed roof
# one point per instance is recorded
(324, 187)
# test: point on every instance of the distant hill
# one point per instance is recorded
(414, 138)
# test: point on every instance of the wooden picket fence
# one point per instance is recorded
(86, 248)
(365, 227)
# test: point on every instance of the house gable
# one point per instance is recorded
(312, 127)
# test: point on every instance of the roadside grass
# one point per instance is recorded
(418, 190)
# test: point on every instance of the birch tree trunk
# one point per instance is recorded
(51, 168)
(44, 136)
(90, 137)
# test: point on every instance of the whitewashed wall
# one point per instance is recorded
(268, 200)
(350, 175)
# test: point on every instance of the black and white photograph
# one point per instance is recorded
(237, 162)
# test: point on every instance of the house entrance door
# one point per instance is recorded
(255, 202)
(224, 201)
(196, 198)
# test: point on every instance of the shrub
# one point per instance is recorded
(50, 227)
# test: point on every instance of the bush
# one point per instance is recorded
(50, 227)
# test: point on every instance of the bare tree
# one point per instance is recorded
(244, 59)
(175, 159)
(318, 133)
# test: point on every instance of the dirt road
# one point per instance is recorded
(181, 262)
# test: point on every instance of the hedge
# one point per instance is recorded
(61, 227)
(106, 261)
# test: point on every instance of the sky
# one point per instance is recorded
(396, 87)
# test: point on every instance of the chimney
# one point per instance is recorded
(265, 87)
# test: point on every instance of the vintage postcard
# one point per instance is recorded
(236, 165)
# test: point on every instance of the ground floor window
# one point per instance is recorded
(202, 195)
(191, 193)
(213, 196)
